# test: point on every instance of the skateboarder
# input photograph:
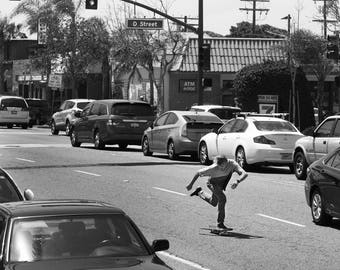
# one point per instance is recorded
(219, 174)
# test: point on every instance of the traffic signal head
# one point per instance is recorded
(204, 52)
(91, 4)
(333, 47)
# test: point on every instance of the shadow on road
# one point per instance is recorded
(335, 224)
(234, 235)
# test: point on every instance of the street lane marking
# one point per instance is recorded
(88, 173)
(170, 191)
(30, 145)
(282, 220)
(184, 261)
(27, 160)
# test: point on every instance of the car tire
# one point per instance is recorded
(300, 166)
(98, 143)
(9, 125)
(240, 157)
(122, 146)
(171, 151)
(67, 128)
(145, 147)
(319, 215)
(203, 154)
(54, 129)
(74, 138)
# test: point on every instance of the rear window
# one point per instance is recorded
(274, 126)
(13, 102)
(37, 103)
(132, 109)
(81, 105)
(201, 118)
(224, 113)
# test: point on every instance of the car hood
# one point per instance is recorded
(102, 263)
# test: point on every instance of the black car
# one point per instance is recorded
(9, 191)
(73, 234)
(39, 111)
(111, 121)
(322, 188)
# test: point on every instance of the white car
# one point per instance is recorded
(62, 119)
(223, 112)
(13, 111)
(253, 140)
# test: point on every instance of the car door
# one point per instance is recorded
(334, 139)
(224, 138)
(91, 121)
(321, 139)
(81, 123)
(157, 131)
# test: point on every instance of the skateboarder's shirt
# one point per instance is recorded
(221, 175)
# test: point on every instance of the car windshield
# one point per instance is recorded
(81, 105)
(66, 237)
(201, 118)
(225, 113)
(13, 102)
(274, 126)
(132, 109)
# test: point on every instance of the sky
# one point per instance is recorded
(220, 15)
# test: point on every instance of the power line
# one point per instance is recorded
(254, 9)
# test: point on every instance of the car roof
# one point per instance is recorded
(80, 99)
(211, 106)
(263, 118)
(112, 101)
(193, 113)
(11, 97)
(58, 207)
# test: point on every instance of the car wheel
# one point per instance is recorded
(24, 126)
(171, 150)
(74, 139)
(54, 129)
(67, 128)
(145, 147)
(203, 154)
(320, 217)
(300, 166)
(240, 157)
(122, 146)
(98, 143)
(9, 125)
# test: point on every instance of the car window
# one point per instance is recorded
(224, 113)
(336, 161)
(95, 109)
(172, 119)
(102, 110)
(69, 105)
(37, 103)
(8, 193)
(62, 106)
(197, 110)
(132, 109)
(227, 126)
(61, 237)
(13, 102)
(160, 121)
(81, 105)
(201, 118)
(336, 132)
(2, 231)
(325, 129)
(240, 126)
(86, 110)
(274, 126)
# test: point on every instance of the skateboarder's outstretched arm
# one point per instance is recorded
(189, 187)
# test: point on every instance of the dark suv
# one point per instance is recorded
(111, 121)
(39, 111)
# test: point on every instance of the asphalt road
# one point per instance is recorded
(272, 226)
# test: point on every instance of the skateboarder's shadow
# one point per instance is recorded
(234, 234)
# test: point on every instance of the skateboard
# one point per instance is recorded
(218, 231)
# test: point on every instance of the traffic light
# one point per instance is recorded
(91, 4)
(333, 47)
(205, 56)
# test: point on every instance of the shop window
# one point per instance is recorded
(207, 84)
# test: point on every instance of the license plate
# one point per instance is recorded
(14, 112)
(134, 125)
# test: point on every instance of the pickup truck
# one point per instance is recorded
(324, 138)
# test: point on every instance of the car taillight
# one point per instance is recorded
(263, 140)
(112, 122)
(184, 132)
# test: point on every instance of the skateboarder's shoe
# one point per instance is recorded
(195, 193)
(221, 226)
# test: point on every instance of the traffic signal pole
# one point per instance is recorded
(198, 31)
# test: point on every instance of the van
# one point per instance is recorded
(39, 111)
(13, 111)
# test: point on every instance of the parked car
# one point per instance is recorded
(324, 138)
(256, 140)
(112, 121)
(62, 119)
(73, 234)
(13, 111)
(322, 188)
(223, 112)
(39, 111)
(9, 191)
(178, 133)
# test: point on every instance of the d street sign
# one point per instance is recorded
(151, 24)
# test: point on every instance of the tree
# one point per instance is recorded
(245, 29)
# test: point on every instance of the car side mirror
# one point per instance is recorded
(160, 245)
(28, 194)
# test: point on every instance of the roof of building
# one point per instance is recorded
(229, 54)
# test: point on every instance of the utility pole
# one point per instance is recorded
(324, 20)
(254, 9)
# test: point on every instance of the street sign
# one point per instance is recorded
(151, 24)
(55, 81)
